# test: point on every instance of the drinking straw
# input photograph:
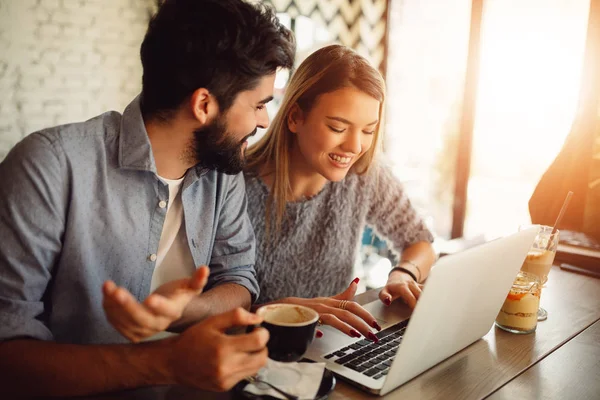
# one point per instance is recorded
(560, 216)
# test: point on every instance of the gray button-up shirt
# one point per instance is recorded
(79, 204)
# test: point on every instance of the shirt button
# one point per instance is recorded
(162, 204)
(152, 257)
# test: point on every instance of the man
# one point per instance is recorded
(97, 215)
(576, 168)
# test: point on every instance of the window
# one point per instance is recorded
(530, 66)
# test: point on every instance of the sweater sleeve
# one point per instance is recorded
(390, 212)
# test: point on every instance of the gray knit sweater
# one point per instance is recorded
(315, 249)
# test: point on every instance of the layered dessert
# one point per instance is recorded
(519, 311)
(539, 262)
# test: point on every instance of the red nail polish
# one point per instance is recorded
(375, 325)
(354, 333)
(319, 334)
(387, 301)
(356, 280)
(373, 337)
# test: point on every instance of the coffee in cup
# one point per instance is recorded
(291, 328)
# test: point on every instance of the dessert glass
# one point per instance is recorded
(540, 257)
(519, 311)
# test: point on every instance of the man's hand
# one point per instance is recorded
(341, 312)
(205, 357)
(137, 321)
(401, 285)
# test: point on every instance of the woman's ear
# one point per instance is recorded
(295, 118)
(204, 105)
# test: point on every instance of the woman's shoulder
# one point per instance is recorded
(251, 178)
(255, 188)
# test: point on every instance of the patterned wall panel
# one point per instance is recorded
(360, 24)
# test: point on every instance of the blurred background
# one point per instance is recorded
(481, 94)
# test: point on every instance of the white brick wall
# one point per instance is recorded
(64, 61)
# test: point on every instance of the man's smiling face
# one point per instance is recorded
(221, 144)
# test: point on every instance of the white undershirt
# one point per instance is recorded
(173, 258)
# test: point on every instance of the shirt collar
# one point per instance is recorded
(135, 151)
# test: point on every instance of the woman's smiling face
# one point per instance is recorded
(335, 133)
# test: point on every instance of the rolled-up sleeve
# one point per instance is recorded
(234, 251)
(32, 197)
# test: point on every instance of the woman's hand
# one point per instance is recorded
(401, 285)
(341, 312)
(137, 321)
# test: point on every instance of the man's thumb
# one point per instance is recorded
(237, 317)
(199, 279)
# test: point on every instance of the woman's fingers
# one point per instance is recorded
(335, 322)
(366, 316)
(385, 296)
(349, 293)
(415, 288)
(355, 309)
(407, 295)
(346, 322)
(409, 291)
(344, 315)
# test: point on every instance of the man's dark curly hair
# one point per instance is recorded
(225, 46)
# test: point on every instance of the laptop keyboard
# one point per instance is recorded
(368, 358)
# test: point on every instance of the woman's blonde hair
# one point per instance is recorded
(326, 70)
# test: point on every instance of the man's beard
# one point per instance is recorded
(215, 148)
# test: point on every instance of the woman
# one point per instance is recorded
(313, 184)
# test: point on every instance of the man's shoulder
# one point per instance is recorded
(221, 182)
(97, 128)
(62, 139)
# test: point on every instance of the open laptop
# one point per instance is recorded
(458, 306)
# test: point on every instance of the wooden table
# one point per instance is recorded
(503, 365)
(570, 372)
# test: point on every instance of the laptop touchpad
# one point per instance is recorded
(388, 315)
